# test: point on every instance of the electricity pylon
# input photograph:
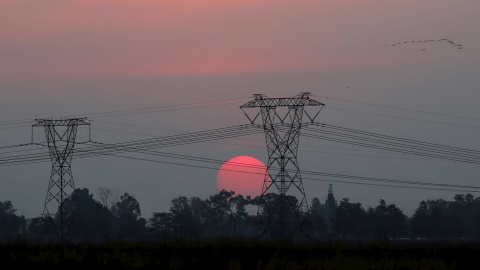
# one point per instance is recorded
(61, 134)
(281, 119)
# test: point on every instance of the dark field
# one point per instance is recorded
(406, 254)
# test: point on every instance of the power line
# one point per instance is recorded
(220, 162)
(380, 181)
(301, 150)
(114, 149)
(15, 145)
(403, 118)
(390, 143)
(135, 111)
(250, 139)
(163, 110)
(170, 106)
(379, 138)
(403, 109)
(321, 131)
(351, 136)
(167, 141)
(137, 126)
(24, 150)
(15, 122)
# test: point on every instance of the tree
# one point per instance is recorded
(11, 225)
(462, 213)
(239, 220)
(219, 214)
(87, 217)
(316, 225)
(127, 217)
(280, 214)
(161, 224)
(388, 221)
(222, 215)
(329, 210)
(349, 219)
(41, 227)
(437, 218)
(184, 223)
(108, 198)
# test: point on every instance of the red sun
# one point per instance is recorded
(243, 174)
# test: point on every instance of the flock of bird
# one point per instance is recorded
(458, 46)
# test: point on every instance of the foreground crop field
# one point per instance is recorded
(247, 255)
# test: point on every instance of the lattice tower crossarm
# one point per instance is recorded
(60, 134)
(282, 134)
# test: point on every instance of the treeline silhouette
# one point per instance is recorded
(226, 215)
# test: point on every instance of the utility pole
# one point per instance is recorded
(61, 134)
(281, 119)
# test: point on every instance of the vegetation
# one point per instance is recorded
(117, 217)
(219, 233)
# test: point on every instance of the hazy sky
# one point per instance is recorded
(64, 58)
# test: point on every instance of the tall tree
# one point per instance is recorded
(40, 227)
(108, 197)
(161, 224)
(185, 224)
(239, 220)
(87, 217)
(329, 209)
(387, 221)
(437, 218)
(420, 222)
(11, 225)
(281, 214)
(128, 222)
(316, 225)
(219, 214)
(349, 219)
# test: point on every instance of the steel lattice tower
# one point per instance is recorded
(281, 120)
(61, 134)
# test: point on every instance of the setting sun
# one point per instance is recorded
(242, 174)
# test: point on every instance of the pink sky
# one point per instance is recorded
(78, 39)
(143, 51)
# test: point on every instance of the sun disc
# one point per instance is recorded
(243, 174)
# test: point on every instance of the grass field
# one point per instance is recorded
(405, 254)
